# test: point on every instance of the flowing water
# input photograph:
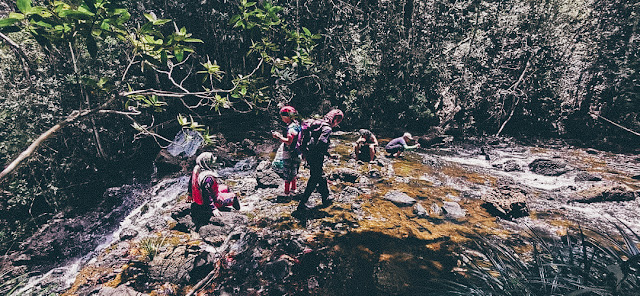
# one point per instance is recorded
(382, 249)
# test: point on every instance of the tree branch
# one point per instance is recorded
(75, 115)
(25, 60)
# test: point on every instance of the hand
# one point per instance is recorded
(276, 135)
(216, 213)
(418, 145)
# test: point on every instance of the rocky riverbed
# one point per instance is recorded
(397, 226)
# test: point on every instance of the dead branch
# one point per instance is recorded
(26, 64)
(75, 115)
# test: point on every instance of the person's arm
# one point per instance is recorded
(375, 140)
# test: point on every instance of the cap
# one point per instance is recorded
(288, 110)
(408, 136)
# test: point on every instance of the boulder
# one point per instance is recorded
(400, 199)
(419, 210)
(584, 176)
(345, 174)
(180, 265)
(511, 165)
(167, 164)
(268, 179)
(612, 192)
(506, 202)
(548, 167)
(453, 210)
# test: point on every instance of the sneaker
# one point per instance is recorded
(236, 203)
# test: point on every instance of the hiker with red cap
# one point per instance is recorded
(399, 145)
(314, 146)
(287, 160)
(205, 192)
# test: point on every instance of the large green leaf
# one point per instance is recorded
(24, 5)
(7, 22)
(76, 14)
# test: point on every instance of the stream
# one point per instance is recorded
(366, 239)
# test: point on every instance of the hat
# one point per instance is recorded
(206, 160)
(288, 110)
(408, 136)
(333, 114)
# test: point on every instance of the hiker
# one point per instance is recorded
(398, 145)
(365, 147)
(204, 190)
(290, 156)
(314, 146)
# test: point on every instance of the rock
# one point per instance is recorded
(511, 165)
(121, 290)
(277, 270)
(548, 167)
(268, 179)
(584, 176)
(345, 174)
(178, 265)
(614, 192)
(167, 164)
(127, 234)
(419, 210)
(591, 151)
(452, 210)
(506, 202)
(400, 199)
(436, 210)
(636, 177)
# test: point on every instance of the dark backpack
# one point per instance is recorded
(313, 136)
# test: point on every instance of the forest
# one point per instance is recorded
(94, 89)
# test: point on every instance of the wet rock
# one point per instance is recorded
(584, 176)
(119, 291)
(127, 234)
(511, 166)
(180, 265)
(615, 192)
(399, 198)
(167, 164)
(436, 210)
(506, 202)
(452, 210)
(419, 210)
(345, 174)
(591, 151)
(277, 270)
(548, 167)
(636, 177)
(268, 179)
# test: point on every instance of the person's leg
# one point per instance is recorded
(293, 184)
(286, 187)
(315, 170)
(372, 152)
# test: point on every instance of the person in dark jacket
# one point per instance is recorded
(315, 146)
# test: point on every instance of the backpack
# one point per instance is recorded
(313, 136)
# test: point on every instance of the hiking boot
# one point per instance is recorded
(301, 208)
(236, 203)
(326, 201)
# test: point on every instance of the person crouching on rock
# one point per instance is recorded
(398, 145)
(365, 148)
(204, 189)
